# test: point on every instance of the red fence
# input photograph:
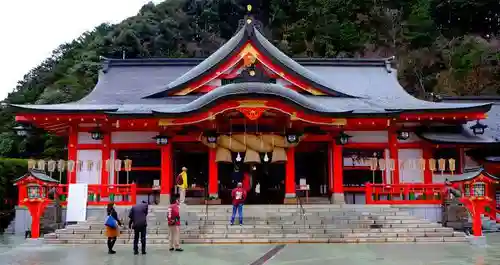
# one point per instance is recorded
(120, 194)
(409, 193)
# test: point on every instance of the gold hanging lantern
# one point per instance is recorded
(391, 164)
(421, 164)
(279, 155)
(223, 155)
(382, 164)
(51, 166)
(31, 164)
(373, 163)
(118, 165)
(442, 165)
(71, 165)
(98, 165)
(128, 165)
(61, 165)
(432, 164)
(79, 165)
(252, 157)
(40, 165)
(108, 165)
(451, 164)
(90, 165)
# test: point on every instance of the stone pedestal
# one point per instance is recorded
(164, 199)
(337, 198)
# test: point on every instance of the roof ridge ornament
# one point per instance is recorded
(249, 22)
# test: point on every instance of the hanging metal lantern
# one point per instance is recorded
(161, 139)
(343, 138)
(266, 158)
(238, 157)
(96, 134)
(478, 128)
(403, 134)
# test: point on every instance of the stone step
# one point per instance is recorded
(284, 240)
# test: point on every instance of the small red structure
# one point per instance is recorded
(478, 195)
(33, 189)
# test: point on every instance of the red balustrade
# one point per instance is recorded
(406, 193)
(119, 194)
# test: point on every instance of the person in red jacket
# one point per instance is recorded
(174, 224)
(239, 195)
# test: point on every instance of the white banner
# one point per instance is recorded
(76, 210)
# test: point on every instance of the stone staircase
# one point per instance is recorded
(275, 224)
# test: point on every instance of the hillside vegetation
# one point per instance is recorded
(448, 47)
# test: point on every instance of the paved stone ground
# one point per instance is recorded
(17, 251)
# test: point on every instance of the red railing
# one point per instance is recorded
(409, 193)
(120, 194)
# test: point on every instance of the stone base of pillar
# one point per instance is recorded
(290, 198)
(164, 199)
(213, 195)
(337, 198)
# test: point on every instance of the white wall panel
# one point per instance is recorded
(368, 137)
(85, 175)
(84, 138)
(406, 174)
(133, 137)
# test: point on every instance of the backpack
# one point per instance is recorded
(179, 180)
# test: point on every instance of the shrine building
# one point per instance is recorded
(307, 124)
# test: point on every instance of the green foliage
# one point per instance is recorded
(449, 47)
(10, 169)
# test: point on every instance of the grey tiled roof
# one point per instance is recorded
(139, 86)
(39, 174)
(471, 175)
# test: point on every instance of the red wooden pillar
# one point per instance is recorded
(394, 154)
(213, 173)
(166, 174)
(290, 173)
(338, 173)
(427, 154)
(105, 156)
(330, 168)
(72, 153)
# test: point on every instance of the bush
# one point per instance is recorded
(10, 169)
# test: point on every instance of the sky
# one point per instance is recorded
(32, 29)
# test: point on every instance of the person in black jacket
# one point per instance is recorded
(139, 222)
(112, 233)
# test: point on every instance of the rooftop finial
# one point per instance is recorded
(249, 8)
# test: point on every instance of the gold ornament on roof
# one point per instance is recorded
(249, 8)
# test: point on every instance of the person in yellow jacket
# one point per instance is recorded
(182, 184)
